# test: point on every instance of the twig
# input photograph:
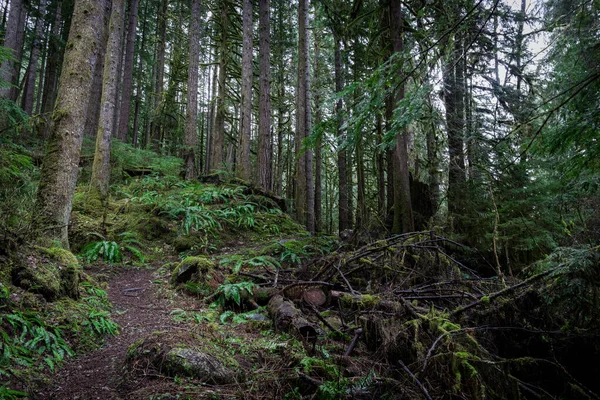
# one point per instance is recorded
(419, 384)
(310, 380)
(502, 292)
(323, 320)
(345, 280)
(354, 341)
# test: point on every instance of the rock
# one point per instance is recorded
(193, 268)
(196, 364)
(180, 354)
(51, 272)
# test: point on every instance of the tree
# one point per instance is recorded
(58, 175)
(8, 71)
(101, 167)
(403, 218)
(191, 140)
(128, 62)
(305, 210)
(264, 164)
(32, 69)
(243, 162)
(218, 135)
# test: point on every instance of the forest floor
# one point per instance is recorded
(140, 308)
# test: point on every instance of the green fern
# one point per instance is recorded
(109, 250)
(10, 394)
(233, 292)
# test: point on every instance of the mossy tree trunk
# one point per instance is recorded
(58, 175)
(101, 167)
(191, 138)
(403, 215)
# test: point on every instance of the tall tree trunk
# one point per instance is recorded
(55, 50)
(191, 139)
(243, 162)
(160, 70)
(403, 216)
(361, 202)
(126, 91)
(380, 166)
(8, 69)
(264, 164)
(15, 89)
(211, 119)
(454, 102)
(319, 144)
(218, 139)
(93, 111)
(343, 211)
(58, 175)
(101, 167)
(304, 180)
(32, 71)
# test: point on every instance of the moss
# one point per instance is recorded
(60, 255)
(485, 299)
(195, 269)
(189, 242)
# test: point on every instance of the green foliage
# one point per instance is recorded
(100, 323)
(239, 261)
(17, 186)
(112, 252)
(28, 342)
(575, 290)
(10, 394)
(109, 250)
(138, 159)
(233, 292)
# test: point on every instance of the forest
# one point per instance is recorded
(299, 199)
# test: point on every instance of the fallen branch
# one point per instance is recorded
(417, 381)
(508, 290)
(357, 334)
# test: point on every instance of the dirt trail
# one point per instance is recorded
(98, 375)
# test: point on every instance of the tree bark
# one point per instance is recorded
(32, 70)
(58, 175)
(403, 216)
(218, 137)
(126, 91)
(343, 211)
(304, 181)
(191, 139)
(454, 102)
(101, 166)
(243, 162)
(318, 145)
(265, 150)
(8, 69)
(55, 50)
(160, 70)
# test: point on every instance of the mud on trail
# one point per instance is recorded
(139, 310)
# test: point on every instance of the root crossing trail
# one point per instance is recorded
(139, 310)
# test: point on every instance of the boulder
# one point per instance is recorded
(181, 354)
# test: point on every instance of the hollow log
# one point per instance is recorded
(288, 318)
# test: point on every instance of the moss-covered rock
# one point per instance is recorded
(182, 355)
(51, 272)
(189, 242)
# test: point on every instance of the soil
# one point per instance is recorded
(139, 309)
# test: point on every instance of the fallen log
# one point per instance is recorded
(288, 318)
